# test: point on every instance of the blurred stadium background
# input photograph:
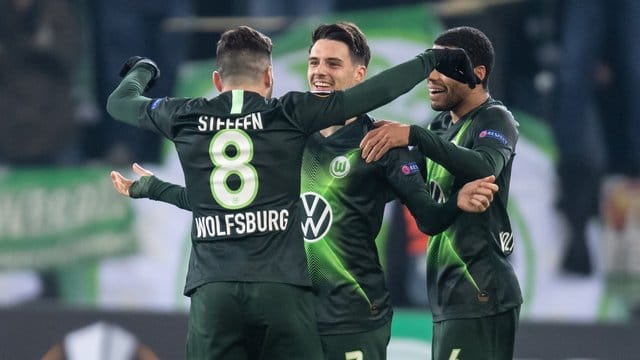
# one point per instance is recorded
(90, 273)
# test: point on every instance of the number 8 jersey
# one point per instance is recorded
(241, 155)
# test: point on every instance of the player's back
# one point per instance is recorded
(241, 156)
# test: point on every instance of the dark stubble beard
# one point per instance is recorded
(450, 102)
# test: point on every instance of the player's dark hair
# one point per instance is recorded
(243, 52)
(474, 42)
(349, 34)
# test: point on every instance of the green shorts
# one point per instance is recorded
(368, 345)
(485, 338)
(247, 321)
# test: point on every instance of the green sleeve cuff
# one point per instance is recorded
(150, 187)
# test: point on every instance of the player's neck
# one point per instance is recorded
(475, 99)
(326, 132)
(264, 92)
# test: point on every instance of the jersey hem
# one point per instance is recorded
(328, 329)
(190, 288)
(465, 315)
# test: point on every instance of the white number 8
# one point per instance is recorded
(238, 164)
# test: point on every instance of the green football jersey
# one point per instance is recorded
(343, 200)
(241, 157)
(468, 273)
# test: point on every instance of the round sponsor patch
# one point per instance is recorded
(339, 167)
(493, 134)
(409, 168)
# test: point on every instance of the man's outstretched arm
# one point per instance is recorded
(126, 102)
(393, 82)
(322, 110)
(150, 187)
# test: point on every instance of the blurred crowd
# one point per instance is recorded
(62, 57)
(59, 62)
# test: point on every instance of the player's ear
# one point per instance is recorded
(267, 77)
(361, 73)
(481, 72)
(217, 80)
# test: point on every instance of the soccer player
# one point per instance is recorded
(343, 203)
(241, 155)
(344, 200)
(474, 293)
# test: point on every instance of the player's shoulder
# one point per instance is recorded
(176, 104)
(401, 162)
(495, 111)
(304, 96)
(398, 154)
(494, 107)
(289, 101)
(367, 122)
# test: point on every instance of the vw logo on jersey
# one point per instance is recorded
(317, 218)
(339, 167)
(436, 192)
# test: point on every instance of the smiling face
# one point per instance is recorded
(331, 67)
(446, 94)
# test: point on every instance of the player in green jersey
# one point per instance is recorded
(241, 156)
(474, 293)
(343, 203)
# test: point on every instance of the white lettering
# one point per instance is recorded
(201, 227)
(203, 123)
(230, 225)
(211, 228)
(228, 222)
(251, 222)
(220, 232)
(284, 219)
(256, 119)
(262, 221)
(249, 121)
(240, 225)
(273, 220)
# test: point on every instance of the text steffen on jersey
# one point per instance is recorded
(213, 123)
